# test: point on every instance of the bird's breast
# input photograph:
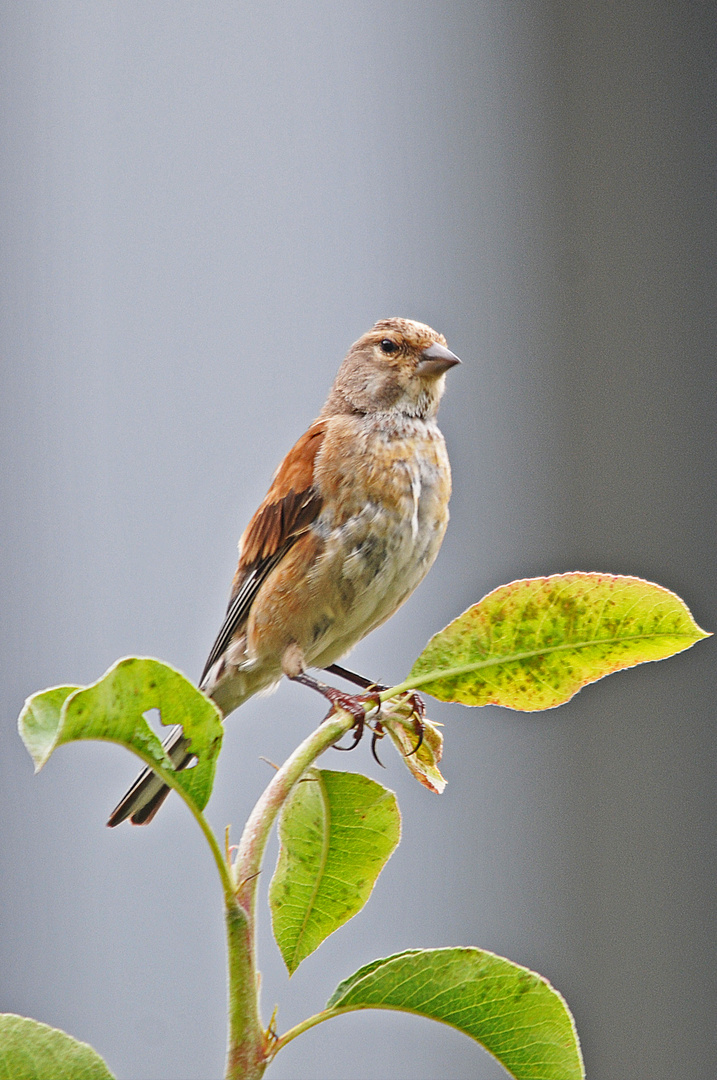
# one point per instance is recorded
(380, 531)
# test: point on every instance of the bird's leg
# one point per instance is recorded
(367, 684)
(354, 704)
(418, 707)
(357, 680)
(417, 704)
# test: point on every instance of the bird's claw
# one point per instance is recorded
(359, 706)
(378, 733)
(418, 715)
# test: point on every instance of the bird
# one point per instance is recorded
(351, 524)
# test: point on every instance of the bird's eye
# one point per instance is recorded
(389, 346)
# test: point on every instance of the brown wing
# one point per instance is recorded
(291, 503)
(290, 506)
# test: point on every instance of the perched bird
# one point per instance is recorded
(351, 524)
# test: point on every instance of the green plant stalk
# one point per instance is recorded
(247, 1042)
(305, 1025)
(250, 1047)
(246, 1055)
(319, 1018)
(169, 776)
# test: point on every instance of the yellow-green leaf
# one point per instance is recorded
(534, 643)
(337, 832)
(399, 720)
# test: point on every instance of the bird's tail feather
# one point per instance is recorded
(147, 793)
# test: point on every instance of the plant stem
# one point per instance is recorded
(247, 1042)
(222, 866)
(170, 779)
(250, 1047)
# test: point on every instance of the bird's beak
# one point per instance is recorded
(436, 359)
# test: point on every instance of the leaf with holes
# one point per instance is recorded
(337, 831)
(533, 644)
(30, 1050)
(511, 1011)
(114, 709)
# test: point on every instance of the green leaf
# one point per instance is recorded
(533, 644)
(113, 709)
(513, 1012)
(33, 1051)
(337, 832)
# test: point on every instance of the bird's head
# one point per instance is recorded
(398, 366)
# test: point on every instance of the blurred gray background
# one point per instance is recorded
(203, 205)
